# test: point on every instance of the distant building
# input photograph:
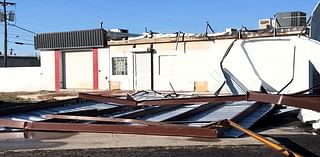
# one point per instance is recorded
(21, 61)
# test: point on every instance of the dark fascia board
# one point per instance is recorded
(82, 39)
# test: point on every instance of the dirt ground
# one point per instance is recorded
(190, 151)
(8, 99)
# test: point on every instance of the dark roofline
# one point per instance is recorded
(93, 38)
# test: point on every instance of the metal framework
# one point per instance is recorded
(130, 124)
(143, 127)
(107, 99)
(303, 101)
(159, 102)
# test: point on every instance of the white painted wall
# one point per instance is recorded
(271, 61)
(47, 70)
(30, 78)
(126, 81)
(20, 79)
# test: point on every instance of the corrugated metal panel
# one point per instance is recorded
(37, 115)
(249, 120)
(197, 115)
(225, 111)
(315, 23)
(162, 116)
(94, 38)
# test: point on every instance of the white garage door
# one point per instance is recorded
(79, 70)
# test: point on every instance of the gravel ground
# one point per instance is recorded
(191, 151)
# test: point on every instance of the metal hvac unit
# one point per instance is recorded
(290, 19)
(95, 38)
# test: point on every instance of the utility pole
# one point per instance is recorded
(5, 40)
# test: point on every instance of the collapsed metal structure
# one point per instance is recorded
(139, 113)
(153, 113)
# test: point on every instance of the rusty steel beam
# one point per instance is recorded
(179, 101)
(307, 102)
(123, 129)
(277, 147)
(162, 130)
(12, 124)
(174, 101)
(113, 120)
(106, 99)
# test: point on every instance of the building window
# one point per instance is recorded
(119, 66)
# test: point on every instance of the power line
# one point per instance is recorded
(22, 28)
(18, 38)
(21, 43)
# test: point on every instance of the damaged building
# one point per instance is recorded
(91, 59)
(178, 84)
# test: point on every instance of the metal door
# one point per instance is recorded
(142, 71)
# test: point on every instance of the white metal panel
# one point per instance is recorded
(79, 70)
(315, 23)
(142, 75)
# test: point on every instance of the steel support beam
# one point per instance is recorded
(307, 102)
(174, 101)
(105, 99)
(162, 130)
(179, 101)
(12, 123)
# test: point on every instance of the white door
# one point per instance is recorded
(79, 70)
(142, 71)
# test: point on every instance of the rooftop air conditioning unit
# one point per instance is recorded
(291, 19)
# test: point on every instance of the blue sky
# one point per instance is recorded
(160, 16)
